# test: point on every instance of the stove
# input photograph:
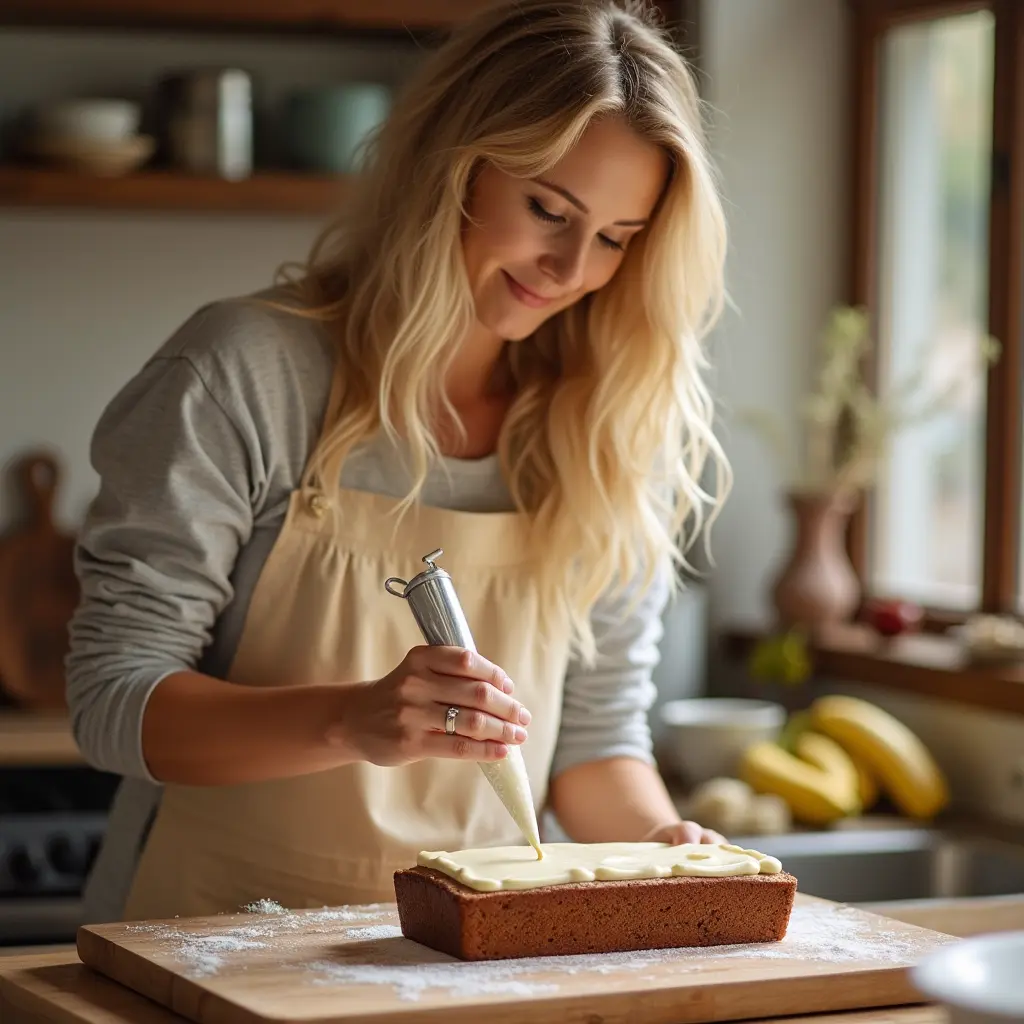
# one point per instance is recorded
(52, 821)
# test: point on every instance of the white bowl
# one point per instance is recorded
(89, 120)
(980, 980)
(707, 735)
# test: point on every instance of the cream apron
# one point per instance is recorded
(320, 614)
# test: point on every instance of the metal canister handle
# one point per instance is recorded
(429, 559)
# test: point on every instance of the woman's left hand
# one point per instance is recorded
(675, 833)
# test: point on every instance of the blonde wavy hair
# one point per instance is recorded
(610, 431)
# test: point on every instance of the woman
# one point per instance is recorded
(496, 352)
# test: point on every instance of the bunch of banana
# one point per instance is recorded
(867, 785)
(817, 779)
(799, 723)
(835, 759)
(902, 765)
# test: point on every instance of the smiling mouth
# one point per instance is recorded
(524, 295)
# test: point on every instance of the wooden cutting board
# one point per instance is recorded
(68, 993)
(38, 592)
(340, 965)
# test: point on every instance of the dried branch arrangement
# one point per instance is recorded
(847, 424)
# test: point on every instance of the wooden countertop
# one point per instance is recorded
(34, 738)
(57, 987)
(54, 987)
(962, 916)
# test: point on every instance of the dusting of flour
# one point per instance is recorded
(264, 907)
(204, 955)
(833, 934)
(822, 933)
(375, 931)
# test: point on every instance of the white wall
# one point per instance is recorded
(777, 85)
(84, 300)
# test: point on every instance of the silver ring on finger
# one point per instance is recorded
(449, 721)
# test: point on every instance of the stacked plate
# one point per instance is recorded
(94, 136)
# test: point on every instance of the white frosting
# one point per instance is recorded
(518, 867)
(509, 780)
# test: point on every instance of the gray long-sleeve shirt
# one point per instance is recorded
(197, 456)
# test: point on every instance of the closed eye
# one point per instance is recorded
(545, 215)
(553, 218)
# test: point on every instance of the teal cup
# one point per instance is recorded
(325, 128)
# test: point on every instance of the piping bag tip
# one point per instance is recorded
(511, 783)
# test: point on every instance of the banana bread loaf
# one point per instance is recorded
(591, 916)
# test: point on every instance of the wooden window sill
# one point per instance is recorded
(922, 663)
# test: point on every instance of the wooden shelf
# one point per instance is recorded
(299, 15)
(32, 738)
(268, 193)
(923, 663)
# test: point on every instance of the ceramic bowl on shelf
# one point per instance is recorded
(707, 735)
(979, 980)
(89, 120)
(105, 159)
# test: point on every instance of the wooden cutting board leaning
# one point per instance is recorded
(38, 592)
(343, 964)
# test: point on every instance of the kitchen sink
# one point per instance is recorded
(896, 863)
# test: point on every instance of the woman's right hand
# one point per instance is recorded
(401, 717)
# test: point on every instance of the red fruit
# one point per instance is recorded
(890, 616)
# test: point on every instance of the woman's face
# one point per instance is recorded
(534, 247)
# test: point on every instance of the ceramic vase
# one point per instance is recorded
(817, 585)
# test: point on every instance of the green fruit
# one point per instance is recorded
(783, 659)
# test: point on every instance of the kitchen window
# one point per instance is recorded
(938, 259)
